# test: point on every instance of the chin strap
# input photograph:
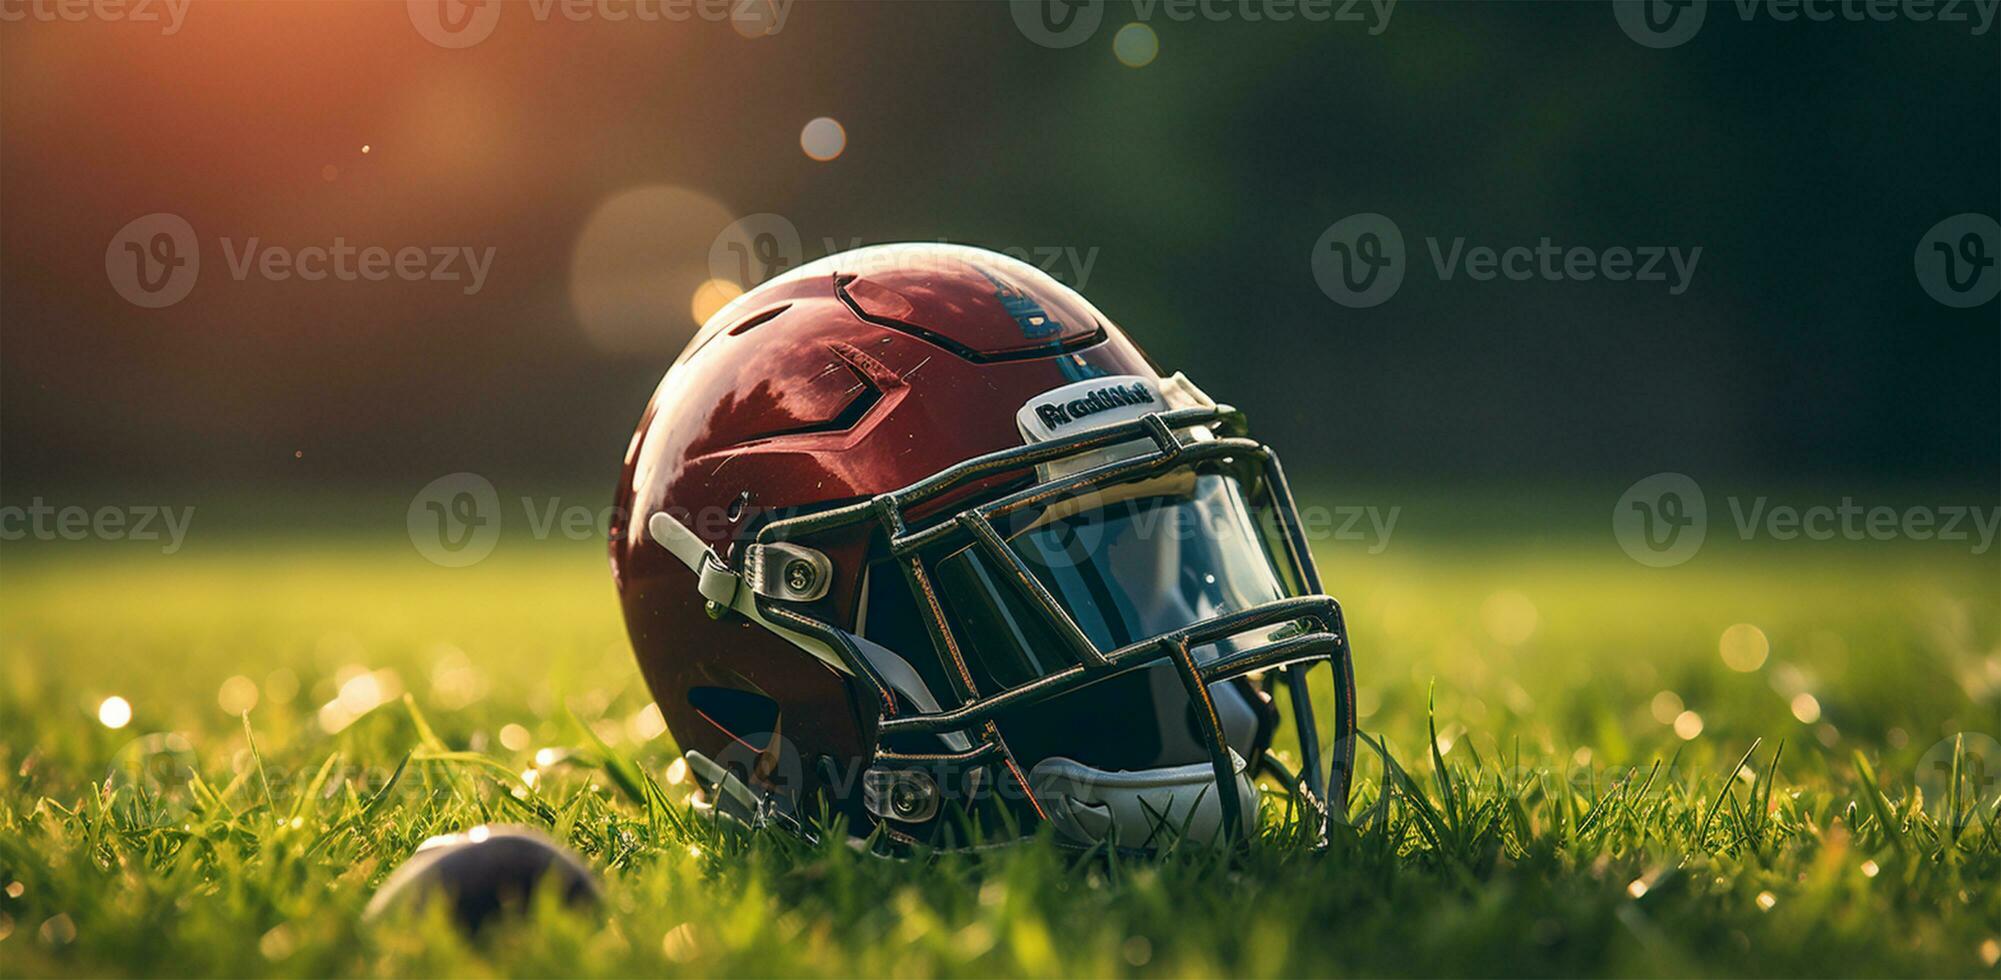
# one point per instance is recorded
(726, 590)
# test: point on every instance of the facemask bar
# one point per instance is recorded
(1323, 637)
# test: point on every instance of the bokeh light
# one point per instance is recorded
(823, 139)
(1666, 707)
(281, 685)
(237, 695)
(1687, 725)
(641, 258)
(1136, 45)
(1744, 648)
(1509, 617)
(1806, 708)
(710, 296)
(647, 723)
(514, 737)
(114, 712)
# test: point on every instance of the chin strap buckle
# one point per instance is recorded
(716, 582)
(781, 570)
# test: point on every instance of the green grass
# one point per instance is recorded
(1557, 825)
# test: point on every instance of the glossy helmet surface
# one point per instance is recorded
(913, 535)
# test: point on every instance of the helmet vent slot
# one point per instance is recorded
(759, 319)
(745, 716)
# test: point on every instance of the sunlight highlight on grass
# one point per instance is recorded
(1558, 760)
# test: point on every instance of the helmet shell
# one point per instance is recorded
(855, 375)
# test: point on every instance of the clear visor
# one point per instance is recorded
(1128, 563)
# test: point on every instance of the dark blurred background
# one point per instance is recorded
(1807, 161)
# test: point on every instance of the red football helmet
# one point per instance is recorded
(914, 536)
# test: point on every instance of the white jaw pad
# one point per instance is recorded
(1144, 808)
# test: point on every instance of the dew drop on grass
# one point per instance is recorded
(1766, 900)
